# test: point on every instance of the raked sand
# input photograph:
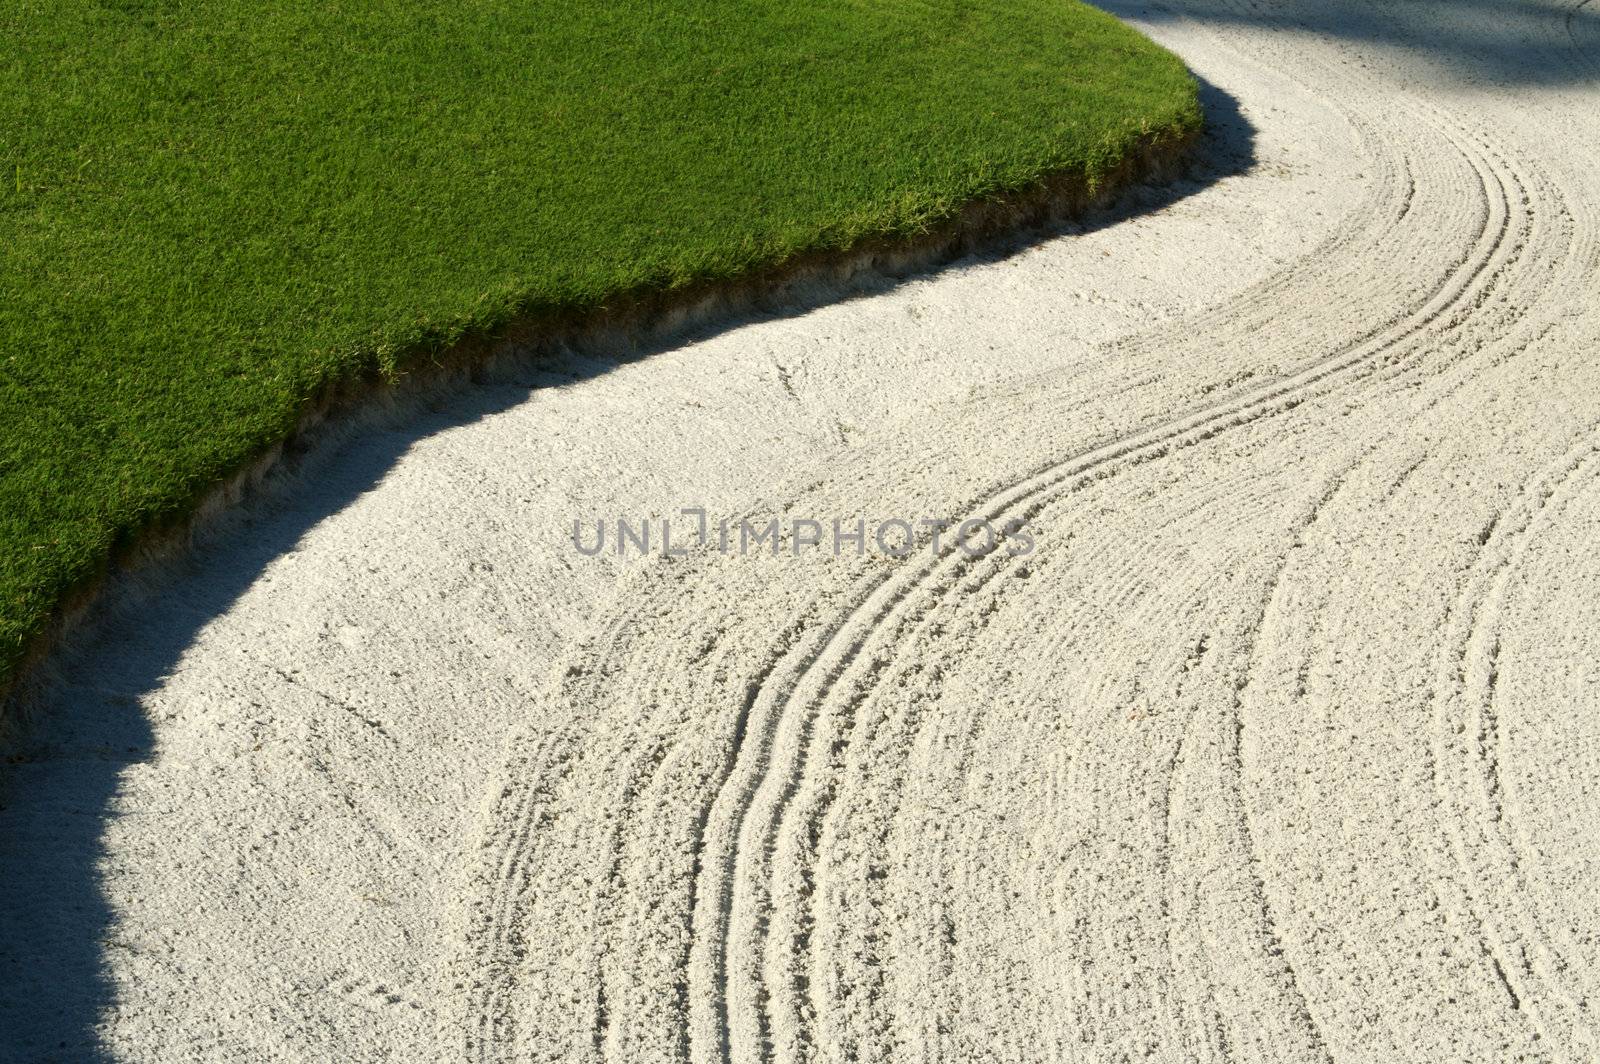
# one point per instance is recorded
(1283, 744)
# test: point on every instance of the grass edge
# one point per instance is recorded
(636, 316)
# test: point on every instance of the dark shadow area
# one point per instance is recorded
(1537, 42)
(60, 780)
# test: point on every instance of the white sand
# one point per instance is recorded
(1284, 745)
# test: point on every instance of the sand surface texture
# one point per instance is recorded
(1282, 744)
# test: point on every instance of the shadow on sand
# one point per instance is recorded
(1531, 42)
(59, 784)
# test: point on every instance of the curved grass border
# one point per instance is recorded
(635, 317)
(220, 221)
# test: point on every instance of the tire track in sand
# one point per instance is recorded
(974, 586)
(895, 597)
(771, 724)
(1467, 750)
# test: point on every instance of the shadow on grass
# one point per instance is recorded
(59, 787)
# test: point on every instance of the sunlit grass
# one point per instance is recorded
(212, 208)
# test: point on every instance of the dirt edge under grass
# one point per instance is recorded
(629, 319)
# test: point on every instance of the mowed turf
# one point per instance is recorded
(210, 210)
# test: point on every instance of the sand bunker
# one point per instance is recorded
(1281, 743)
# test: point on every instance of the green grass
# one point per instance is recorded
(210, 210)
